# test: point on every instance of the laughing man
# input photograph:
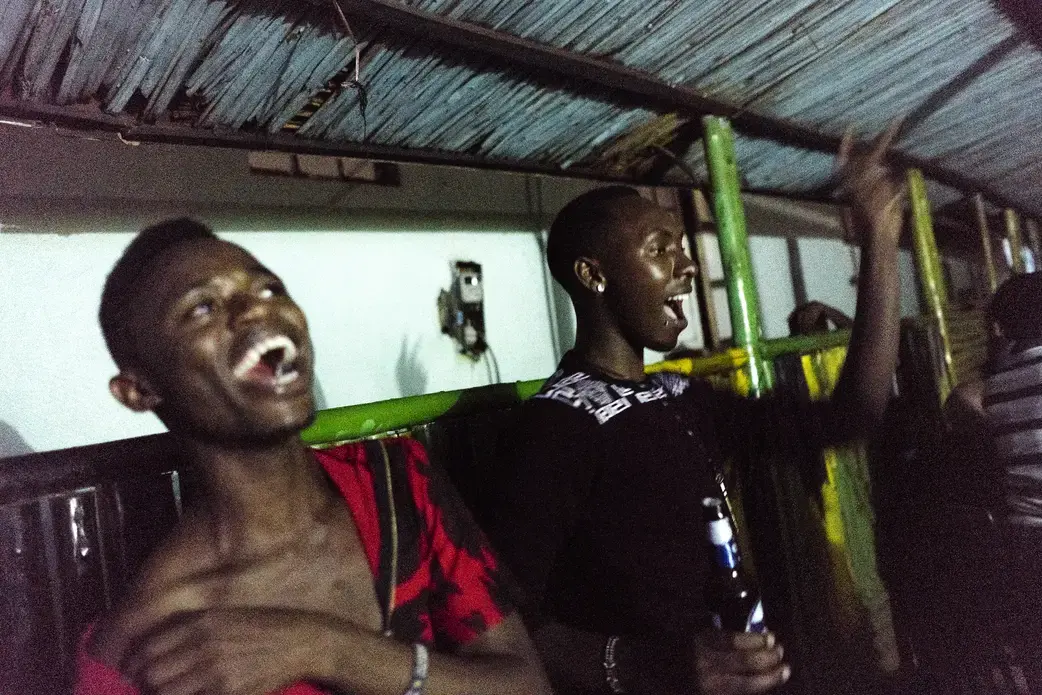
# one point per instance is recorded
(596, 506)
(350, 570)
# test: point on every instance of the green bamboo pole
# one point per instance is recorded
(931, 275)
(804, 344)
(985, 241)
(742, 298)
(1013, 234)
(369, 419)
(372, 419)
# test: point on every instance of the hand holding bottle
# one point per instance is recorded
(740, 656)
(738, 663)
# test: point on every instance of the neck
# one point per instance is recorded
(599, 341)
(256, 497)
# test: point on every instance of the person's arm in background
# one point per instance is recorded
(874, 196)
(813, 317)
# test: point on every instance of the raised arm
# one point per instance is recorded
(875, 214)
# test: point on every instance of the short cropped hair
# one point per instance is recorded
(1017, 307)
(124, 280)
(580, 228)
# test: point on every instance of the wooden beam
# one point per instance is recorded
(91, 119)
(948, 91)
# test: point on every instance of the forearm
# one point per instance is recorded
(574, 660)
(365, 663)
(864, 386)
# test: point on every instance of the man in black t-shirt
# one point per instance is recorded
(596, 503)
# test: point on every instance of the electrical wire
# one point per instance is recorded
(488, 367)
(494, 362)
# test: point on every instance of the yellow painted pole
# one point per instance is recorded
(931, 274)
(1034, 243)
(1013, 234)
(985, 241)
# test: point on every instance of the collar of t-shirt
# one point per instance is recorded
(581, 385)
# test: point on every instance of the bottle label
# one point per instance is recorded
(725, 550)
(726, 555)
(719, 531)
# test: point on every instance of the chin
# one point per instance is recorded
(663, 345)
(290, 422)
(253, 430)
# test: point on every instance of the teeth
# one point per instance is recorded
(286, 377)
(256, 352)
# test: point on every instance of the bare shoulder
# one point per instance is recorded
(161, 589)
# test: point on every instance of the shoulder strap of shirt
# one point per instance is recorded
(398, 518)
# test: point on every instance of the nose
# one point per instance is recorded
(245, 307)
(686, 268)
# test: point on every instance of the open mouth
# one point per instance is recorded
(674, 309)
(270, 361)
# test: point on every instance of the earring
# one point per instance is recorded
(600, 288)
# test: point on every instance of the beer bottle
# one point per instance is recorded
(733, 604)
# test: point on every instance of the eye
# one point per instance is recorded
(201, 308)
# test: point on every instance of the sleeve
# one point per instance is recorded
(96, 678)
(546, 468)
(469, 593)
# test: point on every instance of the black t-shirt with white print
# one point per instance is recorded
(595, 500)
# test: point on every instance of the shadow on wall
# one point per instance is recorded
(411, 374)
(564, 316)
(320, 396)
(11, 443)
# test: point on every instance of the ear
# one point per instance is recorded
(589, 273)
(134, 392)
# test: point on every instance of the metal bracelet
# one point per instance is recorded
(611, 668)
(420, 664)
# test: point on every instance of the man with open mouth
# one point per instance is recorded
(595, 504)
(295, 571)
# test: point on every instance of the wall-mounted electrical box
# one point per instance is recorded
(461, 309)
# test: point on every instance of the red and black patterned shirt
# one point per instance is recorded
(447, 587)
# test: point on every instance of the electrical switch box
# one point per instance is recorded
(461, 309)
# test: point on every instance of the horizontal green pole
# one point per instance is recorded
(371, 419)
(368, 419)
(802, 344)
